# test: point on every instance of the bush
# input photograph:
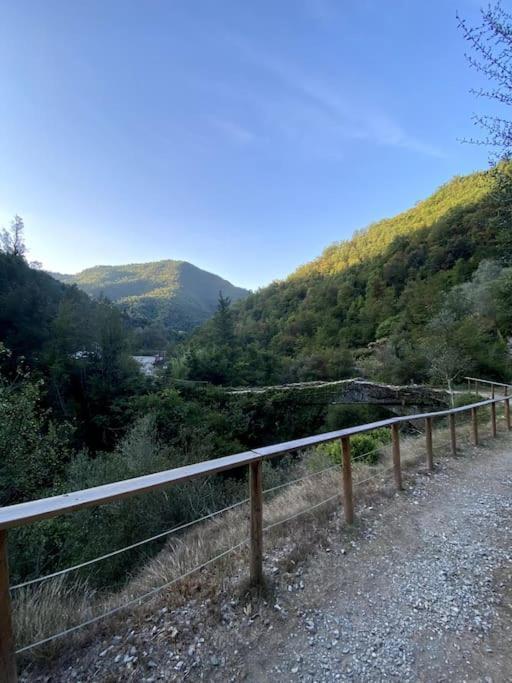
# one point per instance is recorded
(80, 536)
(363, 447)
(484, 414)
(33, 449)
(465, 399)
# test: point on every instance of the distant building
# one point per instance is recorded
(148, 364)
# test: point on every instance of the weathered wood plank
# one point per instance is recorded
(256, 498)
(487, 381)
(428, 439)
(474, 423)
(348, 502)
(453, 434)
(8, 673)
(397, 468)
(24, 513)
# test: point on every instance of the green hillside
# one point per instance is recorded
(71, 350)
(459, 193)
(389, 282)
(175, 294)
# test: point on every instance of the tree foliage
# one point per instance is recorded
(490, 45)
(421, 297)
(76, 346)
(370, 303)
(163, 300)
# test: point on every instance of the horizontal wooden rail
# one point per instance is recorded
(487, 381)
(25, 513)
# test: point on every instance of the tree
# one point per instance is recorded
(12, 241)
(446, 356)
(223, 324)
(490, 54)
(33, 448)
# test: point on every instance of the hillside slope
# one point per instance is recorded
(30, 304)
(460, 193)
(388, 281)
(176, 294)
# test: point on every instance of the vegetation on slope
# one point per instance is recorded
(386, 285)
(75, 412)
(462, 191)
(161, 297)
(431, 304)
(71, 351)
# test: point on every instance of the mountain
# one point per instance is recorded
(71, 353)
(29, 305)
(389, 282)
(174, 294)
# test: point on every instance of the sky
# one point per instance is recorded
(242, 136)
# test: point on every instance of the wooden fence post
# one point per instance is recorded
(507, 409)
(493, 419)
(492, 391)
(348, 503)
(8, 673)
(256, 495)
(453, 435)
(476, 388)
(474, 421)
(428, 438)
(395, 437)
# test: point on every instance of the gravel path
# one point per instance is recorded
(420, 590)
(423, 594)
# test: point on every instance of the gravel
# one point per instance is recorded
(418, 597)
(420, 590)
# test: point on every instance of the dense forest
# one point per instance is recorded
(163, 300)
(382, 303)
(75, 412)
(424, 296)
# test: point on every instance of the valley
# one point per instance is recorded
(421, 299)
(304, 478)
(163, 300)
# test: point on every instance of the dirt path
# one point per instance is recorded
(420, 590)
(425, 595)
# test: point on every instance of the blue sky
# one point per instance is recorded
(242, 136)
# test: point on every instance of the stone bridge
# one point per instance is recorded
(348, 391)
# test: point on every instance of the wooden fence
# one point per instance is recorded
(25, 513)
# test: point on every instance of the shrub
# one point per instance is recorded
(363, 447)
(33, 449)
(83, 535)
(466, 398)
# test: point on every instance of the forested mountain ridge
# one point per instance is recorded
(460, 192)
(75, 350)
(431, 304)
(388, 284)
(174, 294)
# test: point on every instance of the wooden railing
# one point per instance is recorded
(476, 382)
(25, 513)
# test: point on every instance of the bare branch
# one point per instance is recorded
(491, 55)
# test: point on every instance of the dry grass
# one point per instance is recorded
(58, 604)
(48, 608)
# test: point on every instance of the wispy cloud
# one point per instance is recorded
(318, 111)
(232, 130)
(323, 11)
(387, 132)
